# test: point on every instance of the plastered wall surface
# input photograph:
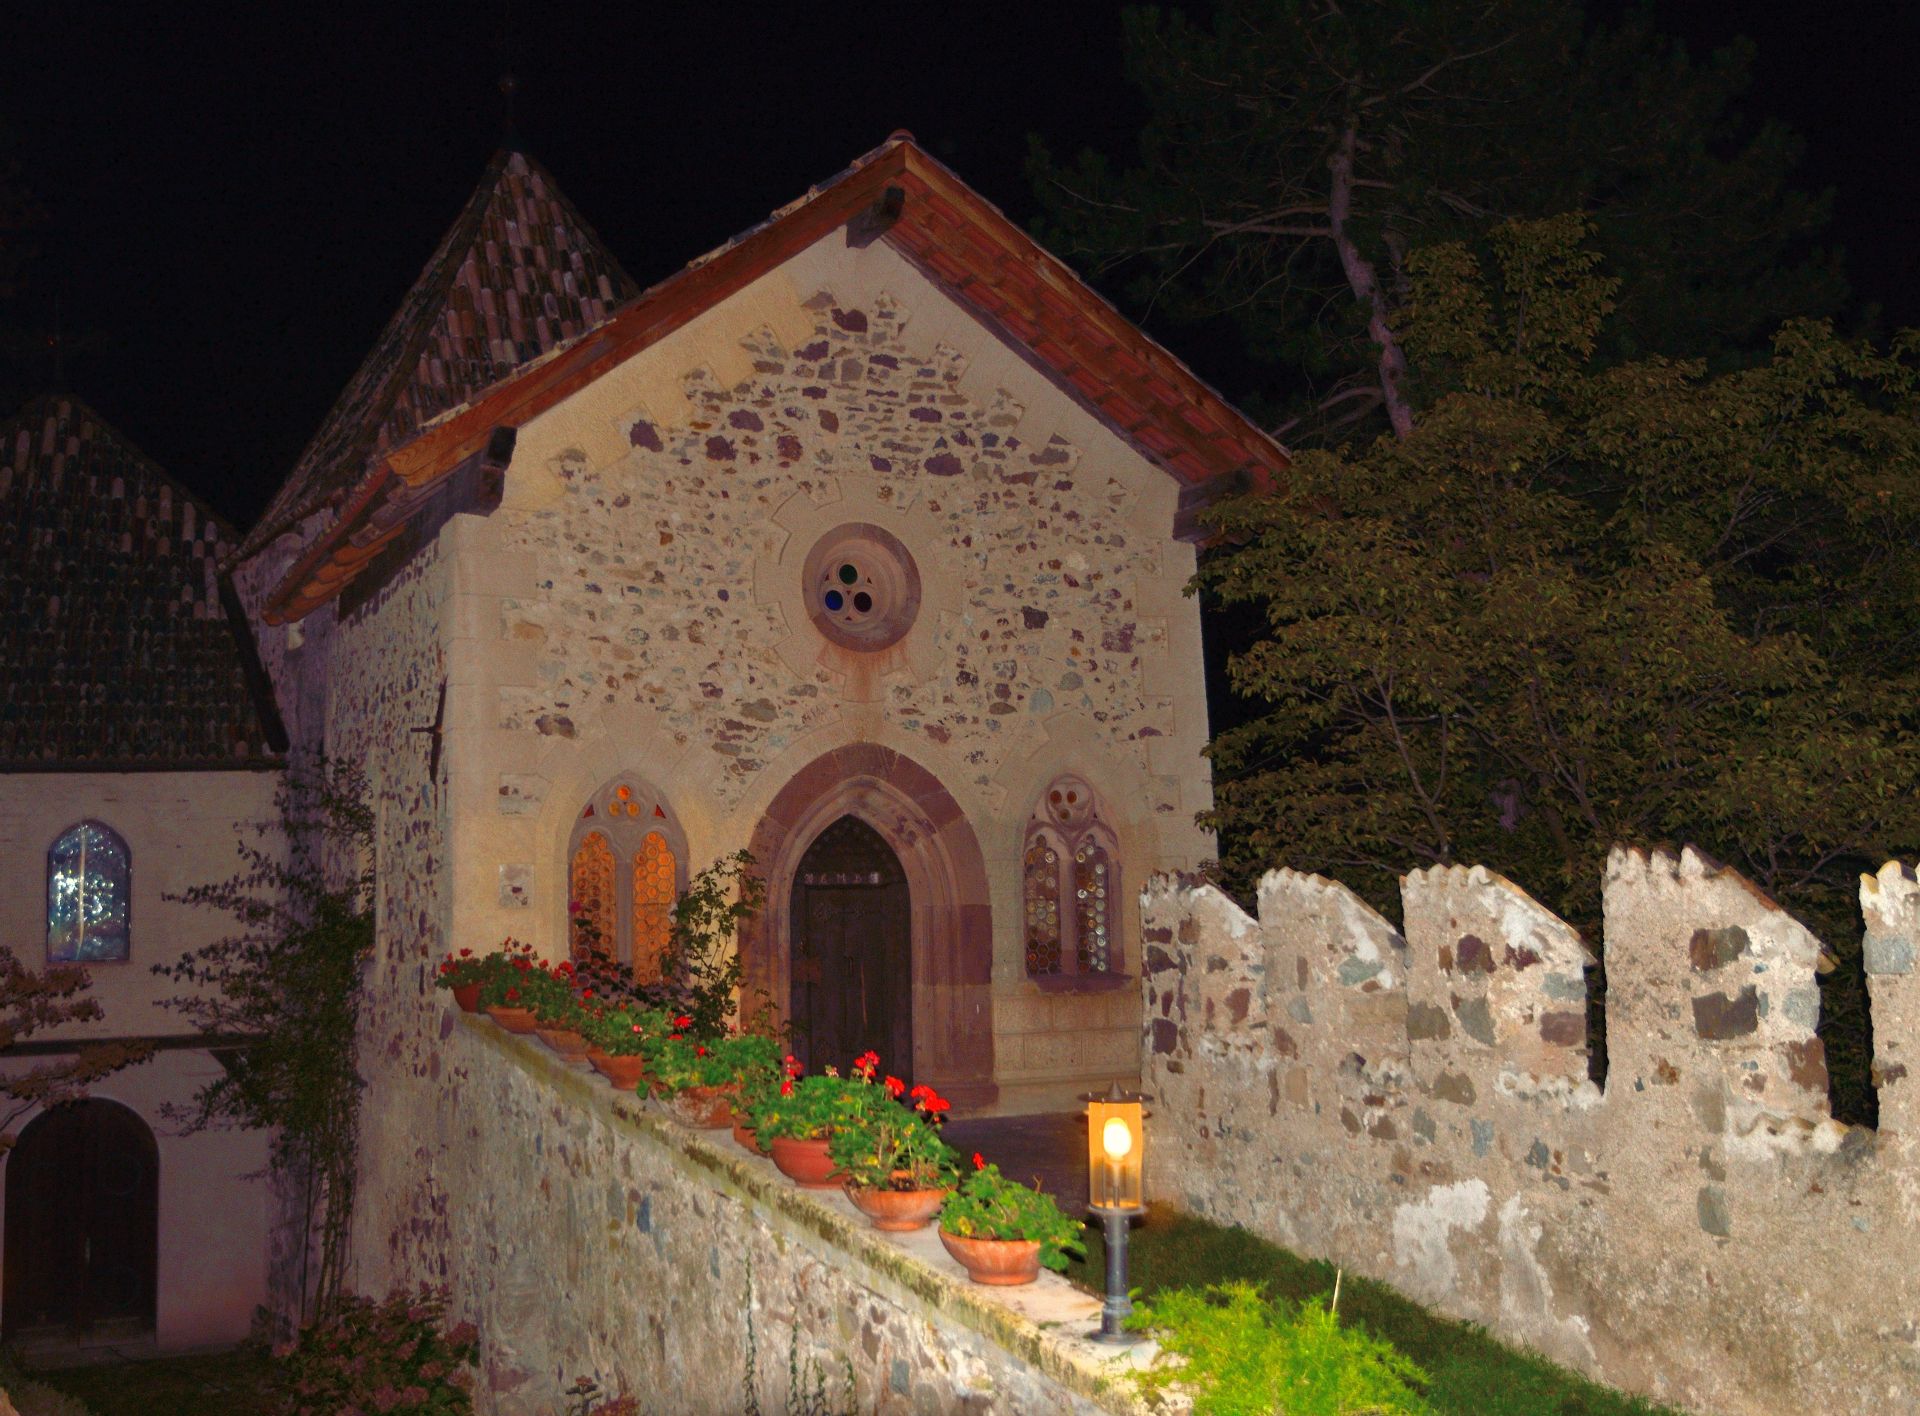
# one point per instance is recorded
(1416, 1106)
(181, 829)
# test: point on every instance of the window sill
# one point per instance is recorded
(1082, 983)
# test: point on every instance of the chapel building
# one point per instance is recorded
(860, 543)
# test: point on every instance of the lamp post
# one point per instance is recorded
(1116, 1163)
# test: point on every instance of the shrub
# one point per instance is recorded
(394, 1358)
(1241, 1355)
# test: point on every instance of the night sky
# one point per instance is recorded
(240, 195)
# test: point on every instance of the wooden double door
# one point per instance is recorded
(852, 965)
(83, 1221)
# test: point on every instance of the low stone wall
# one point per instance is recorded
(1417, 1107)
(585, 1233)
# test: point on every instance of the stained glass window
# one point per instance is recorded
(89, 873)
(655, 875)
(625, 875)
(1092, 871)
(594, 926)
(1042, 907)
(1071, 884)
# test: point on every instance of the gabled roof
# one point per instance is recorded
(519, 273)
(896, 193)
(118, 649)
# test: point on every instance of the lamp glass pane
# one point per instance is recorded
(1116, 1154)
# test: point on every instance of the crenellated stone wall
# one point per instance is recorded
(1416, 1106)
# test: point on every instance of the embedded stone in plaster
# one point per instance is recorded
(521, 793)
(516, 886)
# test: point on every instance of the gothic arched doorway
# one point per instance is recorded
(83, 1221)
(852, 972)
(950, 919)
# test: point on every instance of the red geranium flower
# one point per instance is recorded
(700, 1051)
(465, 953)
(512, 993)
(979, 1161)
(786, 1087)
(895, 1086)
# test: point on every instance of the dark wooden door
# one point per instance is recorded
(852, 951)
(83, 1220)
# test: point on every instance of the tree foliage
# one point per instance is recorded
(1297, 151)
(1581, 604)
(32, 1002)
(288, 981)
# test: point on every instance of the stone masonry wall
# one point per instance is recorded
(1416, 1106)
(585, 1233)
(637, 606)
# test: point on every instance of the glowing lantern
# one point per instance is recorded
(1116, 1163)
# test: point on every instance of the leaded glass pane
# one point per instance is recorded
(654, 884)
(88, 873)
(595, 928)
(1042, 899)
(1092, 889)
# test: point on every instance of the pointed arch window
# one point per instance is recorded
(89, 896)
(1071, 885)
(627, 867)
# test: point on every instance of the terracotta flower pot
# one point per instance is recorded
(598, 1057)
(897, 1210)
(622, 1072)
(702, 1108)
(1005, 1263)
(805, 1162)
(467, 995)
(565, 1041)
(744, 1138)
(514, 1020)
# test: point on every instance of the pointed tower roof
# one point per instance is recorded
(518, 273)
(120, 647)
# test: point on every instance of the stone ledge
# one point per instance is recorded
(1036, 1324)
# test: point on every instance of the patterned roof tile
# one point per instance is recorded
(517, 274)
(115, 647)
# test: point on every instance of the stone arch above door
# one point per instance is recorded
(952, 919)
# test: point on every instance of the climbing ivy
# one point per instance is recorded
(281, 995)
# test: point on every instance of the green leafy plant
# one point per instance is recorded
(989, 1206)
(288, 980)
(804, 1108)
(890, 1138)
(397, 1357)
(700, 964)
(1239, 1354)
(678, 1061)
(460, 968)
(624, 1030)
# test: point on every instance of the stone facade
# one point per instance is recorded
(585, 1233)
(1416, 1106)
(637, 606)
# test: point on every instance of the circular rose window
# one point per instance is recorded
(862, 588)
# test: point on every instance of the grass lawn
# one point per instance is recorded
(210, 1384)
(1473, 1375)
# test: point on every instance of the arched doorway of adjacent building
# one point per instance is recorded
(83, 1222)
(947, 1038)
(852, 950)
